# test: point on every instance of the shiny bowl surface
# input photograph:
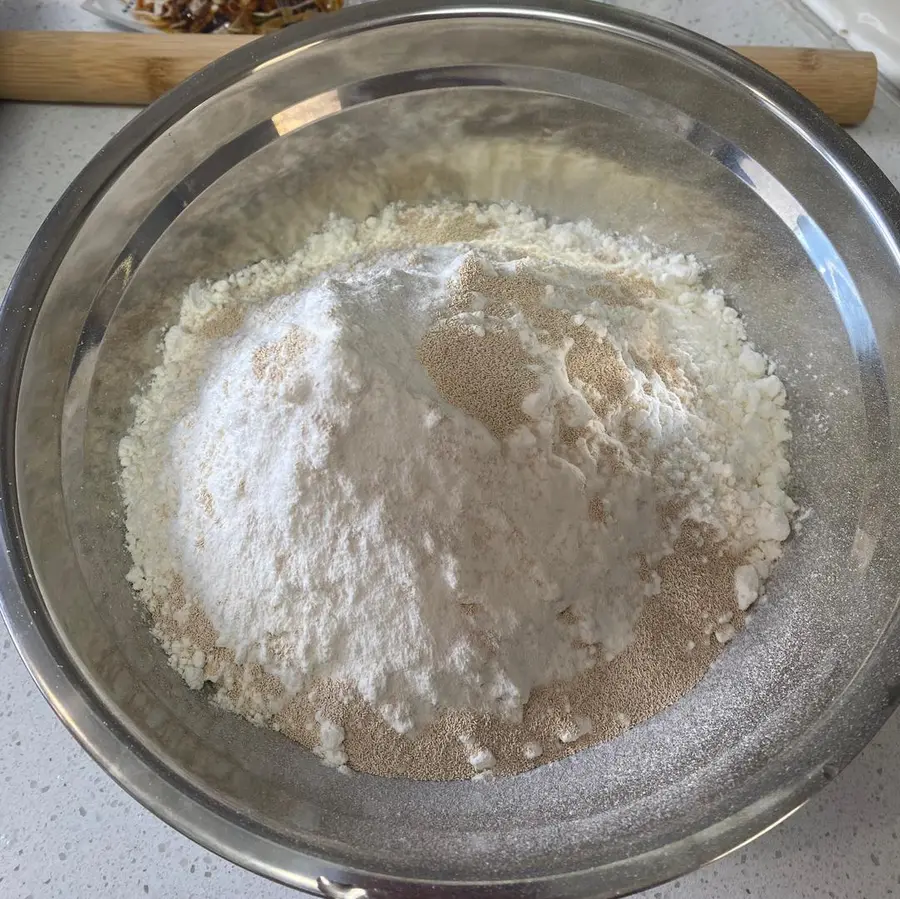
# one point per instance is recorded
(576, 109)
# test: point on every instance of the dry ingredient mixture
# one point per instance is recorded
(454, 491)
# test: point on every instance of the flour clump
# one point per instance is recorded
(402, 487)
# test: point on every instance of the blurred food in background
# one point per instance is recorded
(208, 16)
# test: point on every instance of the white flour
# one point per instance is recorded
(297, 475)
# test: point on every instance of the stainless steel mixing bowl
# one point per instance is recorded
(577, 109)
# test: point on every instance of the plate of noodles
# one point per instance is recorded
(209, 16)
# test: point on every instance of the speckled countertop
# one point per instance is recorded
(67, 830)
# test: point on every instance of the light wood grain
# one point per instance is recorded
(85, 67)
(134, 69)
(841, 83)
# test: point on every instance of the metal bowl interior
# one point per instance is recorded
(579, 111)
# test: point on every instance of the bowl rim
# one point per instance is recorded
(866, 704)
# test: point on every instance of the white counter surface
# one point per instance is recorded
(67, 830)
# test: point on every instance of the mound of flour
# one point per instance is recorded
(438, 456)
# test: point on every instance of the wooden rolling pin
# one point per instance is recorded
(85, 67)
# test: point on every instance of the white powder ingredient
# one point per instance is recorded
(580, 726)
(725, 633)
(746, 586)
(482, 759)
(532, 750)
(295, 475)
(331, 739)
